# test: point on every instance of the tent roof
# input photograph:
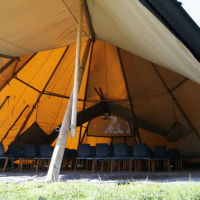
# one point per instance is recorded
(37, 26)
(133, 47)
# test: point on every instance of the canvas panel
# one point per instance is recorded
(132, 27)
(105, 72)
(38, 26)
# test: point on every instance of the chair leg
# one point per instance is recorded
(5, 165)
(37, 164)
(181, 164)
(152, 166)
(111, 165)
(76, 164)
(136, 165)
(130, 165)
(93, 164)
(149, 165)
(86, 165)
(21, 164)
(118, 165)
(102, 163)
(70, 163)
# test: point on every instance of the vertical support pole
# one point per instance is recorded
(58, 153)
(129, 97)
(175, 101)
(77, 64)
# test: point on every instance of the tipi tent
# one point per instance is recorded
(143, 68)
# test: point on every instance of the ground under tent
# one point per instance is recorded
(143, 68)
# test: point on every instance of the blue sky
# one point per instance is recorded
(193, 9)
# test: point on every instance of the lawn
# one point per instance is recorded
(83, 190)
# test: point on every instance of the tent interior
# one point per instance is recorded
(142, 69)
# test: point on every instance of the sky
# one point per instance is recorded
(192, 7)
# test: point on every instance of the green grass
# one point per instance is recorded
(83, 190)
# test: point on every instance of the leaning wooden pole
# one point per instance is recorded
(58, 153)
(77, 64)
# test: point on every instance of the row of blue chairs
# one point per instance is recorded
(112, 155)
(121, 152)
(42, 153)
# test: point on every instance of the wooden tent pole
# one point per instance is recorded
(129, 96)
(89, 22)
(176, 101)
(57, 157)
(9, 57)
(7, 65)
(77, 64)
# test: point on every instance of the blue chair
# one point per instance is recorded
(45, 152)
(3, 156)
(174, 156)
(161, 154)
(140, 153)
(120, 154)
(103, 155)
(84, 153)
(29, 153)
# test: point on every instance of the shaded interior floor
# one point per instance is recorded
(98, 177)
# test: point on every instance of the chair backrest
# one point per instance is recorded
(160, 152)
(30, 151)
(73, 153)
(2, 151)
(120, 150)
(14, 151)
(84, 151)
(140, 150)
(111, 151)
(130, 151)
(149, 151)
(93, 149)
(174, 154)
(66, 153)
(102, 150)
(45, 151)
